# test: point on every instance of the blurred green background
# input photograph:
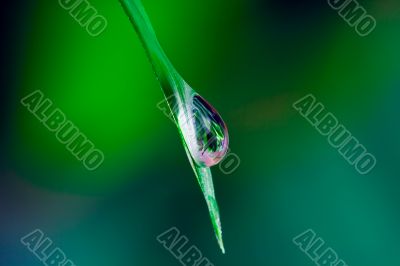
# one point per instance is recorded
(251, 59)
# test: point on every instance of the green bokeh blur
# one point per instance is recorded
(251, 60)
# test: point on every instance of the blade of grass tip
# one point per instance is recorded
(204, 178)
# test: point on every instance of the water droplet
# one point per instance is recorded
(204, 132)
